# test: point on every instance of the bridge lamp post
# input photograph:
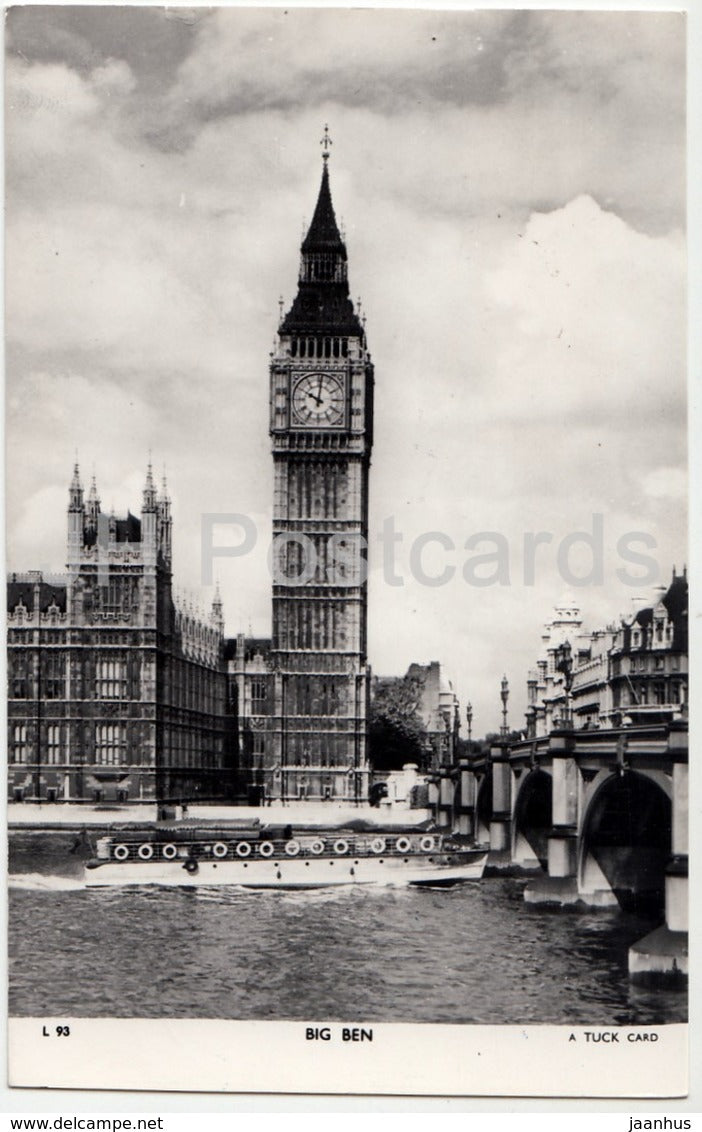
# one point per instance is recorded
(469, 721)
(564, 664)
(504, 696)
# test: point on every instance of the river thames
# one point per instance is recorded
(472, 954)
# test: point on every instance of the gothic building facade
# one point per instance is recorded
(321, 426)
(300, 699)
(115, 693)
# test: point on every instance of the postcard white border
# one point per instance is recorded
(61, 1078)
(400, 1059)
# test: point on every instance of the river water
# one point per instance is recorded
(471, 954)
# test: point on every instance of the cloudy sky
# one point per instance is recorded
(512, 187)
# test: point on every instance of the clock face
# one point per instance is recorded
(318, 400)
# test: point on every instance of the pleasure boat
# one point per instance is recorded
(261, 858)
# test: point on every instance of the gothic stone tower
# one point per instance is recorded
(321, 413)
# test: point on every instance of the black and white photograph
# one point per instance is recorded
(347, 552)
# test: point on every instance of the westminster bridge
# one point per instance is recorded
(600, 816)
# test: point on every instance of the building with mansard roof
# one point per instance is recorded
(631, 672)
(116, 691)
(648, 672)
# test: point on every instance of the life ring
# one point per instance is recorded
(292, 848)
(402, 844)
(341, 846)
(219, 849)
(121, 852)
(146, 852)
(378, 845)
(317, 847)
(169, 852)
(190, 865)
(243, 849)
(427, 844)
(266, 849)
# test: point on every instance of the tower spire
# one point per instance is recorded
(322, 304)
(323, 234)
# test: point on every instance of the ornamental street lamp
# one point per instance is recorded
(504, 696)
(469, 721)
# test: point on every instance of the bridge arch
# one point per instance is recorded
(625, 842)
(533, 819)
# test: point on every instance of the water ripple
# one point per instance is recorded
(475, 953)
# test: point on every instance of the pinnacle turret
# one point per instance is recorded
(92, 510)
(149, 490)
(75, 491)
(217, 612)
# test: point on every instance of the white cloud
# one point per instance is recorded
(666, 483)
(591, 306)
(514, 233)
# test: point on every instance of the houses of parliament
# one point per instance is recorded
(117, 693)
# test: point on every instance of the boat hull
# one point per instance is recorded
(437, 870)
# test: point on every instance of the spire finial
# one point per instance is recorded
(326, 142)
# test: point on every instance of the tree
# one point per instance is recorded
(493, 737)
(397, 731)
(482, 746)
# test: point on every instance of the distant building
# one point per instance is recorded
(437, 706)
(439, 710)
(115, 694)
(632, 672)
(545, 689)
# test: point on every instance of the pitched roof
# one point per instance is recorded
(23, 592)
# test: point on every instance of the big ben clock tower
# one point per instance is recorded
(321, 403)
